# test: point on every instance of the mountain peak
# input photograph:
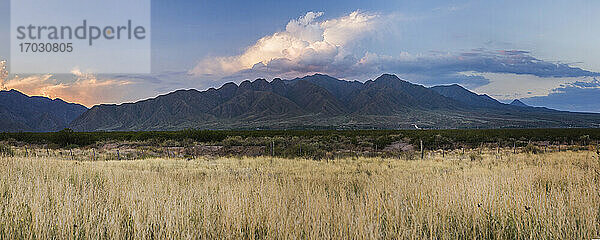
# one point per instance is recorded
(17, 93)
(321, 75)
(14, 92)
(461, 94)
(229, 85)
(387, 77)
(452, 87)
(316, 76)
(518, 103)
(390, 80)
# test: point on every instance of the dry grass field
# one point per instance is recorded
(521, 196)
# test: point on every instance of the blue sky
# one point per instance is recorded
(542, 52)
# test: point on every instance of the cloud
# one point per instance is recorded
(305, 46)
(163, 82)
(86, 89)
(444, 68)
(91, 89)
(517, 62)
(581, 96)
(509, 86)
(3, 73)
(345, 47)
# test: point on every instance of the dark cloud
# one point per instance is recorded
(578, 96)
(516, 62)
(467, 81)
(432, 69)
(443, 69)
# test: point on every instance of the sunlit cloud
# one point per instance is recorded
(306, 46)
(91, 89)
(86, 89)
(3, 73)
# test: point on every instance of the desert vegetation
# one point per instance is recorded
(432, 138)
(316, 144)
(476, 194)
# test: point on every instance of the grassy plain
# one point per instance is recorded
(514, 196)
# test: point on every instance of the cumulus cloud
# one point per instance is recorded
(306, 46)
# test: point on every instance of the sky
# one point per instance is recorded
(542, 52)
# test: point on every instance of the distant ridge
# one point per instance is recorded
(321, 101)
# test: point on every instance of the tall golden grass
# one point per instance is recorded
(523, 196)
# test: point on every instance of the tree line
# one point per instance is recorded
(452, 138)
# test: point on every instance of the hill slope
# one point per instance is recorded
(19, 112)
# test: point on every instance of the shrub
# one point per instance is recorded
(475, 157)
(530, 148)
(72, 146)
(170, 143)
(6, 150)
(233, 141)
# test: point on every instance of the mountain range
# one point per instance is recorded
(319, 101)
